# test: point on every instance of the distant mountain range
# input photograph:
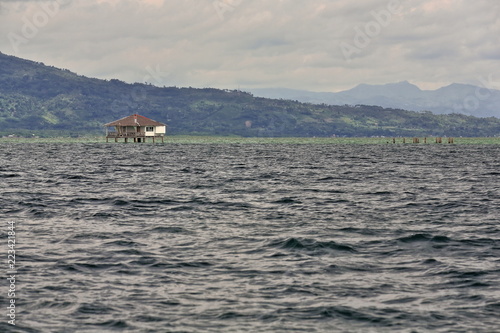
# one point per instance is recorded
(455, 98)
(36, 99)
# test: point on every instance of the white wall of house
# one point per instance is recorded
(161, 129)
(154, 130)
(148, 130)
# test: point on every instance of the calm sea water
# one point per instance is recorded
(253, 238)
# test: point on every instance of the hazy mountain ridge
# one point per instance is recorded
(48, 101)
(454, 98)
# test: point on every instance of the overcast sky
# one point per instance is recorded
(318, 45)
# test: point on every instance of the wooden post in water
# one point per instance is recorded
(404, 140)
(425, 140)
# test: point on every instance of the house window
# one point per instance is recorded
(150, 129)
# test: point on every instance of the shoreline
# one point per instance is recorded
(184, 139)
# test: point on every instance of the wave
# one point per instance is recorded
(310, 245)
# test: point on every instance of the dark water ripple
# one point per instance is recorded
(254, 238)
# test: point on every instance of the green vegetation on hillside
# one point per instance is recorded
(39, 100)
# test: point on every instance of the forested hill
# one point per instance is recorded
(44, 100)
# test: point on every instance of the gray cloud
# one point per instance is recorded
(283, 43)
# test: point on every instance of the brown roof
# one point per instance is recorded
(135, 120)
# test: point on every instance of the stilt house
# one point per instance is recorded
(135, 127)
